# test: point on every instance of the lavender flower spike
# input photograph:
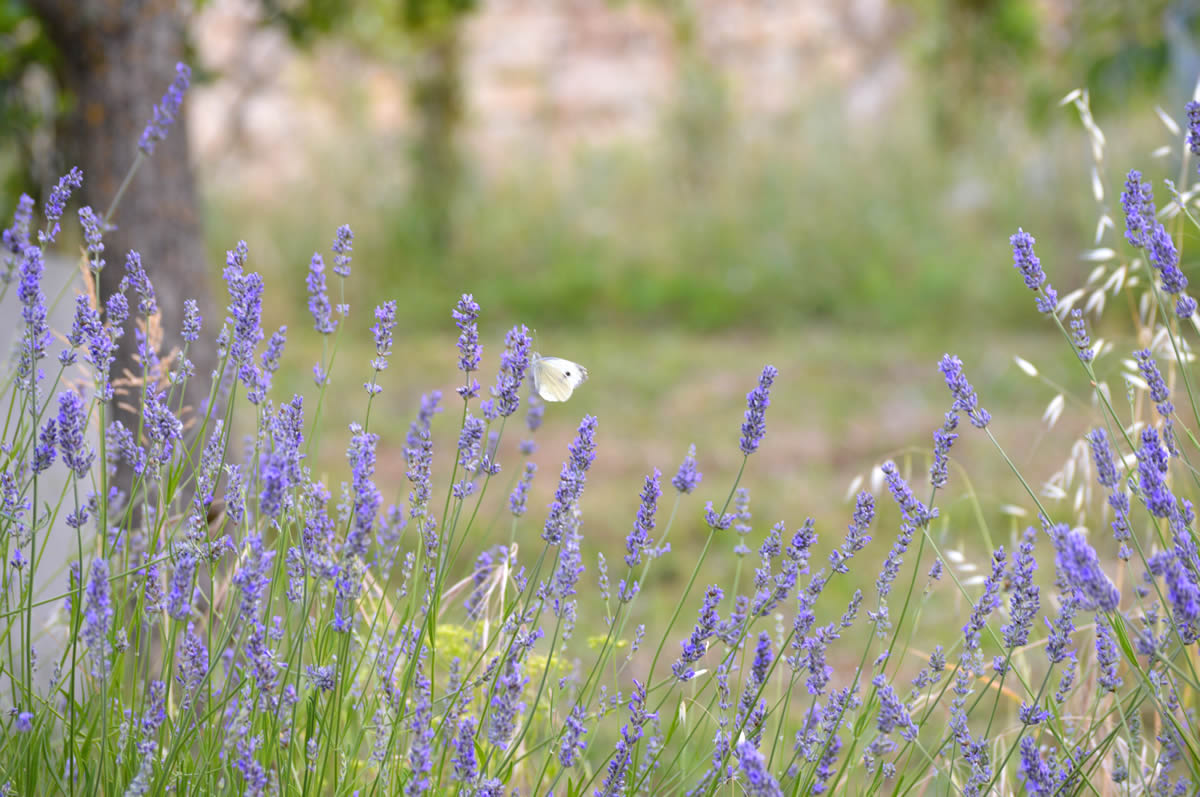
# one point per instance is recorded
(466, 318)
(1078, 564)
(1025, 261)
(167, 110)
(965, 399)
(688, 478)
(754, 429)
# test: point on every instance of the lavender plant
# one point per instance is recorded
(243, 632)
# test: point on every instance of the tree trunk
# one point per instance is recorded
(118, 59)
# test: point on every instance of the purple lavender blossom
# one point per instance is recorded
(270, 359)
(44, 451)
(97, 620)
(24, 723)
(571, 482)
(385, 322)
(1024, 601)
(1025, 261)
(190, 331)
(163, 429)
(688, 478)
(943, 439)
(572, 743)
(1152, 472)
(245, 310)
(965, 399)
(1160, 394)
(367, 498)
(76, 453)
(253, 577)
(697, 644)
(14, 239)
(757, 779)
(856, 533)
(1107, 657)
(139, 280)
(520, 495)
(639, 539)
(1118, 499)
(631, 732)
(166, 111)
(318, 297)
(466, 318)
(987, 603)
(514, 362)
(466, 767)
(93, 238)
(56, 205)
(280, 468)
(754, 428)
(33, 312)
(420, 752)
(343, 245)
(1193, 125)
(1138, 201)
(1078, 564)
(1079, 336)
(506, 705)
(1040, 778)
(717, 521)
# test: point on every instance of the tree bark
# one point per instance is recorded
(119, 57)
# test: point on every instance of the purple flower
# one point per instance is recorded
(757, 779)
(466, 767)
(1138, 201)
(987, 603)
(322, 678)
(697, 644)
(466, 318)
(1079, 336)
(506, 705)
(520, 494)
(165, 112)
(420, 754)
(631, 732)
(514, 361)
(271, 357)
(280, 468)
(253, 577)
(1078, 564)
(191, 321)
(965, 399)
(571, 481)
(93, 238)
(180, 597)
(856, 533)
(43, 452)
(893, 713)
(572, 743)
(639, 539)
(14, 239)
(162, 428)
(1193, 134)
(367, 498)
(245, 310)
(943, 439)
(343, 245)
(385, 322)
(24, 723)
(1025, 261)
(1024, 600)
(754, 428)
(77, 454)
(56, 204)
(139, 280)
(318, 297)
(688, 478)
(97, 620)
(33, 312)
(1106, 656)
(1040, 778)
(1152, 473)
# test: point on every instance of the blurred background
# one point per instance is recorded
(671, 192)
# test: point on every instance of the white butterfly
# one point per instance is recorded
(555, 379)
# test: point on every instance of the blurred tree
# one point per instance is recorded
(113, 62)
(977, 53)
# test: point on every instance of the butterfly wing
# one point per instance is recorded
(555, 379)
